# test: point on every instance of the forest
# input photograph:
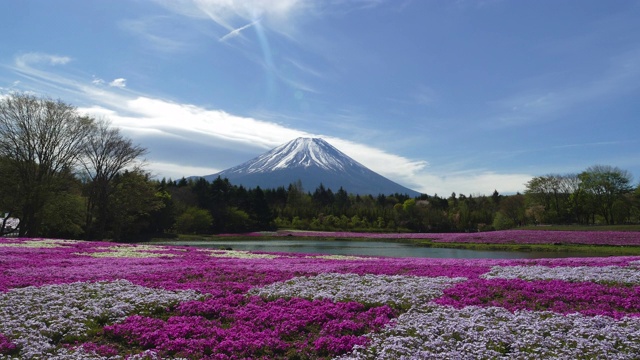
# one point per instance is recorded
(66, 175)
(598, 195)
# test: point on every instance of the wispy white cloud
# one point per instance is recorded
(49, 82)
(158, 33)
(28, 59)
(119, 83)
(15, 85)
(275, 14)
(385, 163)
(97, 81)
(151, 120)
(473, 182)
(304, 68)
(116, 83)
(157, 117)
(145, 117)
(621, 76)
(592, 144)
(270, 18)
(236, 32)
(161, 114)
(174, 171)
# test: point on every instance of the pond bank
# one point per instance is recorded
(399, 248)
(555, 243)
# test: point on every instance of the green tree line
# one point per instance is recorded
(598, 195)
(67, 175)
(63, 174)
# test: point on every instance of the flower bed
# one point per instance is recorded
(74, 299)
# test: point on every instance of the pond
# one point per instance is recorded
(368, 248)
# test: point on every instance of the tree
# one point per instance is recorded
(164, 218)
(10, 203)
(106, 154)
(237, 220)
(63, 216)
(341, 200)
(132, 202)
(322, 198)
(555, 193)
(513, 208)
(635, 205)
(502, 221)
(298, 202)
(194, 221)
(260, 212)
(41, 138)
(496, 197)
(606, 185)
(217, 200)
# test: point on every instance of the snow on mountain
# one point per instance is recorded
(312, 161)
(301, 152)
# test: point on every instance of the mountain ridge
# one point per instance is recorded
(313, 161)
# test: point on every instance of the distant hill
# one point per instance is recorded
(312, 161)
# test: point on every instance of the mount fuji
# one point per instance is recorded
(313, 161)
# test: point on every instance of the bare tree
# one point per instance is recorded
(41, 138)
(553, 192)
(106, 153)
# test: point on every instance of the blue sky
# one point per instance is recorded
(440, 96)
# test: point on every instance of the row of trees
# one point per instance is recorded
(598, 195)
(63, 173)
(68, 175)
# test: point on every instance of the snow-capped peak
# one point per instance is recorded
(313, 162)
(301, 152)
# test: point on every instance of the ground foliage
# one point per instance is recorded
(78, 300)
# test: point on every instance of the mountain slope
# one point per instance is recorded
(312, 161)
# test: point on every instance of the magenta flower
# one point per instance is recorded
(553, 295)
(6, 346)
(96, 300)
(253, 328)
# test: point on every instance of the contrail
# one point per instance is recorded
(236, 32)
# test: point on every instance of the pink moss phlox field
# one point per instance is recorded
(253, 327)
(554, 295)
(98, 300)
(629, 238)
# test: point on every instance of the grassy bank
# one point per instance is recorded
(582, 227)
(600, 250)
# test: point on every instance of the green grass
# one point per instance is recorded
(583, 227)
(602, 250)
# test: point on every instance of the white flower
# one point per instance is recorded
(34, 316)
(394, 290)
(600, 274)
(441, 332)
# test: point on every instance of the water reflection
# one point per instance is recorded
(368, 248)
